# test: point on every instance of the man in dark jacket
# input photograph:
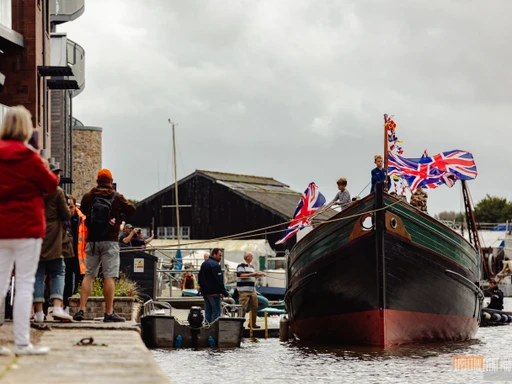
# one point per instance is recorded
(211, 283)
(496, 296)
(102, 246)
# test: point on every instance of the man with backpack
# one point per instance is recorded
(103, 207)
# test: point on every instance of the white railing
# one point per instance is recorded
(76, 59)
(65, 10)
(6, 13)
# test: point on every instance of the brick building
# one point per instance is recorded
(44, 70)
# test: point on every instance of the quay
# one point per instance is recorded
(116, 355)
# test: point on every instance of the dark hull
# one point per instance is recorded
(381, 287)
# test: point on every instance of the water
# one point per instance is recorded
(272, 361)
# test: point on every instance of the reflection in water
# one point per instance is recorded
(274, 362)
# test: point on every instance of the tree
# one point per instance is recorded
(133, 201)
(493, 209)
(450, 216)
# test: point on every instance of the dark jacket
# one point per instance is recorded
(57, 212)
(496, 299)
(211, 278)
(24, 178)
(120, 205)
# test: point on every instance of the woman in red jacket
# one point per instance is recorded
(24, 178)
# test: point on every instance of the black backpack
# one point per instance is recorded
(98, 217)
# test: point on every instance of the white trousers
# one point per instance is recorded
(24, 254)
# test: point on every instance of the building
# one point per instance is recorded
(43, 70)
(76, 148)
(24, 46)
(214, 204)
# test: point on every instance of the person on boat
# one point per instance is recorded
(211, 282)
(188, 281)
(419, 199)
(342, 198)
(379, 174)
(496, 296)
(246, 286)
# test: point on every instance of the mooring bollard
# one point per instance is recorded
(284, 325)
(266, 325)
(250, 324)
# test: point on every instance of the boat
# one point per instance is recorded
(161, 329)
(381, 273)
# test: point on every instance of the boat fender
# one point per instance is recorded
(486, 316)
(495, 317)
(177, 343)
(211, 342)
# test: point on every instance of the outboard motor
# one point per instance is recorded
(195, 320)
(195, 317)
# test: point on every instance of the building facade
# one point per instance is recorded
(43, 70)
(24, 46)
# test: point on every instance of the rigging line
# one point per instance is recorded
(261, 231)
(362, 190)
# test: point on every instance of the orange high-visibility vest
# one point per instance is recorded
(82, 241)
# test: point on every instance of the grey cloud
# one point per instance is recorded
(296, 89)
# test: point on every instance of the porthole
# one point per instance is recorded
(393, 223)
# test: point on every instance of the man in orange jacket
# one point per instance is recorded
(75, 266)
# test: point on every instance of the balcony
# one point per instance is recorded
(76, 59)
(62, 11)
(65, 52)
(76, 123)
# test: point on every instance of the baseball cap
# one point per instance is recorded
(104, 174)
(129, 226)
(54, 168)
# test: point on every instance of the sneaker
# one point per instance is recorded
(5, 351)
(113, 318)
(39, 317)
(59, 314)
(30, 350)
(79, 315)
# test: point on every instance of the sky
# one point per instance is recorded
(296, 89)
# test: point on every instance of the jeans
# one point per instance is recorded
(211, 308)
(57, 271)
(73, 278)
(24, 253)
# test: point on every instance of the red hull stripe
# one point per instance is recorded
(389, 327)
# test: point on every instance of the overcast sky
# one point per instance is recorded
(296, 89)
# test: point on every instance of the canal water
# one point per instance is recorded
(272, 361)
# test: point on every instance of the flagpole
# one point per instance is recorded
(386, 146)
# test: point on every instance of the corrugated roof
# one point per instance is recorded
(233, 177)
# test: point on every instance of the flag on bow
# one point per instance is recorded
(432, 171)
(309, 202)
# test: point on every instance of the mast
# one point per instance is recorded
(474, 239)
(385, 154)
(176, 185)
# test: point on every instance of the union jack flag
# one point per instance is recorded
(430, 172)
(309, 202)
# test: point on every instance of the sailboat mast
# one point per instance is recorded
(474, 239)
(178, 229)
(385, 154)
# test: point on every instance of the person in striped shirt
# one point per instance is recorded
(342, 198)
(246, 286)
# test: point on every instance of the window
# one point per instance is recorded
(6, 13)
(170, 233)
